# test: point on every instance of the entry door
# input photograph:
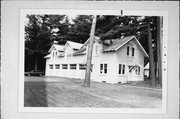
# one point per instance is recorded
(131, 75)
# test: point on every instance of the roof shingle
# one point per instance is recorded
(74, 45)
(118, 43)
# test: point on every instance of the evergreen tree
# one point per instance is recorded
(80, 29)
(39, 36)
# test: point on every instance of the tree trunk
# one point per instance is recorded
(151, 56)
(29, 65)
(149, 71)
(159, 50)
(36, 62)
(89, 54)
(156, 69)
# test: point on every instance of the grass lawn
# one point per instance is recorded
(146, 84)
(65, 92)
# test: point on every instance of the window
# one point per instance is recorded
(82, 66)
(50, 66)
(72, 66)
(127, 50)
(53, 54)
(64, 66)
(103, 68)
(69, 55)
(133, 52)
(57, 66)
(97, 47)
(56, 55)
(137, 70)
(121, 69)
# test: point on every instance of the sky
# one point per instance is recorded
(70, 16)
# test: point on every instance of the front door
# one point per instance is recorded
(131, 74)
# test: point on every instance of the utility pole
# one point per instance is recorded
(89, 54)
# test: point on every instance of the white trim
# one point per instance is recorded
(103, 69)
(142, 48)
(137, 42)
(128, 52)
(124, 43)
(125, 72)
(57, 66)
(132, 51)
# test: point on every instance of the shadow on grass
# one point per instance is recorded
(35, 94)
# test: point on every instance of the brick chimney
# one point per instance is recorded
(122, 35)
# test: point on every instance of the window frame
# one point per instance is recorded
(68, 55)
(57, 66)
(103, 68)
(53, 55)
(73, 66)
(121, 69)
(64, 65)
(138, 71)
(97, 48)
(128, 51)
(133, 52)
(56, 54)
(82, 67)
(51, 66)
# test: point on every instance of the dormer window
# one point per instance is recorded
(97, 49)
(69, 55)
(55, 54)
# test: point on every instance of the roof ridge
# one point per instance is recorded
(74, 42)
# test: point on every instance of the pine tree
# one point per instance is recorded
(151, 55)
(39, 36)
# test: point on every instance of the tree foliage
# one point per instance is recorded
(80, 29)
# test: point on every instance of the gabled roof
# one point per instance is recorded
(47, 56)
(74, 45)
(57, 47)
(61, 55)
(121, 42)
(95, 38)
(147, 66)
(81, 51)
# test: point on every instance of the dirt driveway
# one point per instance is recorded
(65, 92)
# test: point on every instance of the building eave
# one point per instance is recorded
(124, 43)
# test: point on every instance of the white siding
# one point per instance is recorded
(105, 58)
(138, 59)
(112, 59)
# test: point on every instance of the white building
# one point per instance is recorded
(113, 61)
(146, 70)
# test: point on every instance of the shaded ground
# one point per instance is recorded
(146, 84)
(65, 92)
